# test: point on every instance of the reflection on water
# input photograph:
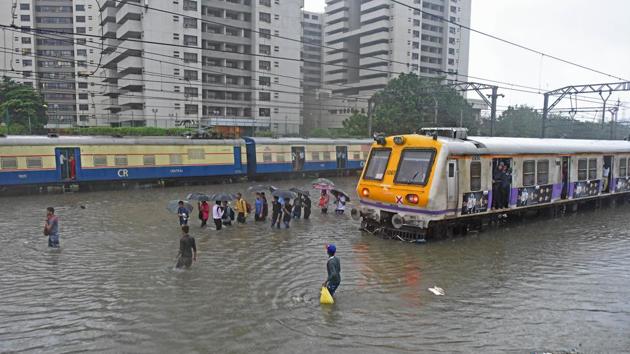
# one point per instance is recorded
(557, 284)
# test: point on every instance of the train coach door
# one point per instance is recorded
(68, 163)
(238, 161)
(342, 157)
(297, 157)
(565, 167)
(452, 184)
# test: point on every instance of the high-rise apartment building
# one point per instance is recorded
(312, 23)
(370, 42)
(53, 46)
(215, 63)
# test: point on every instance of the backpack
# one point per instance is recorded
(248, 207)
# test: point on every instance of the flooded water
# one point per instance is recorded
(548, 285)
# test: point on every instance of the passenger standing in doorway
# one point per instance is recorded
(324, 200)
(72, 164)
(265, 212)
(183, 213)
(506, 179)
(497, 191)
(204, 209)
(241, 208)
(606, 174)
(287, 212)
(333, 267)
(306, 201)
(51, 228)
(217, 215)
(187, 249)
(276, 212)
(565, 180)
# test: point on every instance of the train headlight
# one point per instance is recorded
(412, 198)
(365, 192)
(399, 140)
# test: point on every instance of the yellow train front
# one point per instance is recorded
(399, 190)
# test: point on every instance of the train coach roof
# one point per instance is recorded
(476, 145)
(108, 140)
(312, 141)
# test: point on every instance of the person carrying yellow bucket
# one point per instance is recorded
(333, 266)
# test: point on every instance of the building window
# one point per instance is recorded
(264, 33)
(264, 49)
(120, 160)
(83, 85)
(592, 168)
(26, 40)
(25, 6)
(264, 96)
(83, 96)
(27, 62)
(542, 172)
(80, 19)
(25, 18)
(33, 162)
(190, 40)
(475, 176)
(84, 107)
(82, 52)
(191, 109)
(264, 17)
(582, 169)
(264, 81)
(266, 3)
(190, 22)
(80, 30)
(79, 7)
(264, 112)
(148, 160)
(190, 75)
(100, 160)
(190, 5)
(191, 92)
(264, 65)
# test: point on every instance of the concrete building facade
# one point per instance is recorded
(370, 42)
(50, 48)
(219, 64)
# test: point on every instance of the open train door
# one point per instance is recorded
(452, 186)
(342, 157)
(298, 157)
(68, 163)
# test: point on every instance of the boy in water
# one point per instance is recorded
(187, 249)
(51, 228)
(276, 212)
(333, 266)
(182, 212)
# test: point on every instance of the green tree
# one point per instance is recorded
(409, 103)
(356, 125)
(519, 121)
(22, 108)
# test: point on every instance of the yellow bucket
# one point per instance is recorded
(325, 298)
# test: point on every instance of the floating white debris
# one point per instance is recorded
(437, 291)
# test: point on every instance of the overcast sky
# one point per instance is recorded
(595, 34)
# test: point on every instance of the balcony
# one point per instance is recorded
(130, 29)
(131, 82)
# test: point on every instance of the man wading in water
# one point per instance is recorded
(333, 266)
(51, 228)
(187, 249)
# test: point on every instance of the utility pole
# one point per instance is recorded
(370, 113)
(493, 109)
(613, 119)
(435, 111)
(545, 114)
(154, 110)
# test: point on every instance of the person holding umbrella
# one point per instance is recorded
(297, 206)
(306, 201)
(276, 215)
(324, 200)
(258, 208)
(241, 208)
(183, 213)
(287, 212)
(217, 215)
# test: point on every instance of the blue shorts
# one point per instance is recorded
(332, 288)
(53, 241)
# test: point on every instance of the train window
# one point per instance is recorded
(148, 160)
(315, 155)
(99, 160)
(196, 154)
(582, 169)
(451, 169)
(267, 156)
(8, 163)
(377, 164)
(542, 172)
(356, 156)
(175, 159)
(475, 176)
(622, 167)
(280, 157)
(120, 160)
(592, 168)
(414, 167)
(529, 173)
(326, 155)
(33, 162)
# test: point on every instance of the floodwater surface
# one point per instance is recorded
(546, 285)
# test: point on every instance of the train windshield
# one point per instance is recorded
(414, 167)
(377, 165)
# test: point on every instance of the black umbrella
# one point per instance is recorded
(283, 193)
(299, 191)
(200, 197)
(173, 205)
(338, 192)
(223, 197)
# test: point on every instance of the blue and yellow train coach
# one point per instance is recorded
(40, 160)
(44, 160)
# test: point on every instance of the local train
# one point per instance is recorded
(42, 160)
(426, 185)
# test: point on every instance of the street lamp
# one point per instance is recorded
(154, 110)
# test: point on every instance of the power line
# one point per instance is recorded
(441, 18)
